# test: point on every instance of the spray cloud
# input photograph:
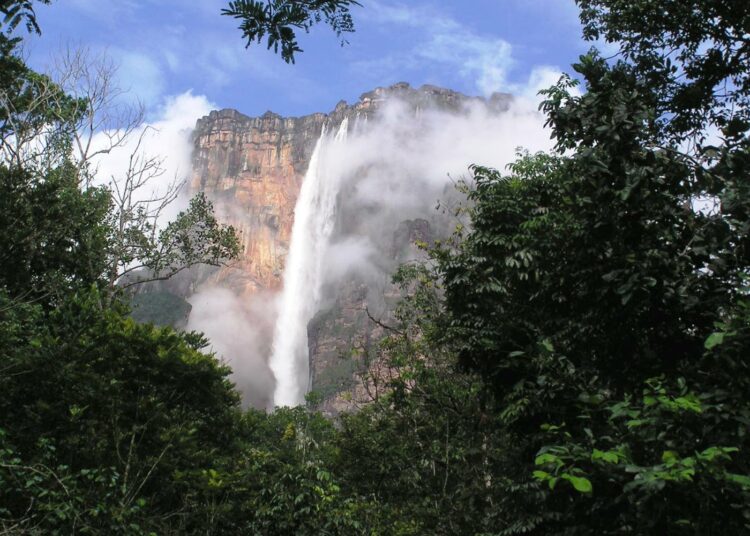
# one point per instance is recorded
(390, 169)
(381, 170)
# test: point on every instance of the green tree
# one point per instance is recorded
(435, 457)
(59, 232)
(53, 236)
(104, 421)
(588, 289)
(278, 20)
(89, 394)
(694, 54)
(52, 232)
(113, 427)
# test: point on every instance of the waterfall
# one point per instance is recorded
(314, 218)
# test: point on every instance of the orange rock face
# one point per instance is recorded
(252, 169)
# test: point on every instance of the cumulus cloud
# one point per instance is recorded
(166, 137)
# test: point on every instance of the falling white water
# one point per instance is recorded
(314, 217)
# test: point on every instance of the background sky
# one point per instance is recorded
(166, 48)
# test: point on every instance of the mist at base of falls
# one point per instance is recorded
(361, 183)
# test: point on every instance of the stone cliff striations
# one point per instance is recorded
(252, 169)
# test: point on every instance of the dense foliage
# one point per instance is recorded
(574, 360)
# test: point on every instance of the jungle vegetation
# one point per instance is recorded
(576, 360)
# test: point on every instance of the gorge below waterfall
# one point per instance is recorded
(327, 207)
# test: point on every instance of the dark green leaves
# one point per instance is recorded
(278, 20)
(694, 53)
(16, 11)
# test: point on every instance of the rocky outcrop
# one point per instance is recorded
(252, 169)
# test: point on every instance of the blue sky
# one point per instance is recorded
(167, 47)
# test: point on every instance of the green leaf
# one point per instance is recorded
(713, 340)
(608, 456)
(712, 453)
(541, 475)
(742, 480)
(689, 402)
(580, 483)
(634, 423)
(546, 458)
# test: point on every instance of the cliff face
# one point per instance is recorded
(252, 168)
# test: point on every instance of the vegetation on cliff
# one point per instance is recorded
(573, 362)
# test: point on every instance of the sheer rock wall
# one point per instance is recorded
(252, 169)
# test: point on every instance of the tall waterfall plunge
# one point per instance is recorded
(314, 218)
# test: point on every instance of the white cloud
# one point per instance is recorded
(166, 137)
(540, 77)
(413, 16)
(424, 152)
(239, 333)
(180, 112)
(487, 62)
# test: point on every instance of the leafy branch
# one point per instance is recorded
(279, 19)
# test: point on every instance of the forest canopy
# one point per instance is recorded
(573, 361)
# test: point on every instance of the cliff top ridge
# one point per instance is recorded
(424, 95)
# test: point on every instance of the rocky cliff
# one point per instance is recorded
(253, 167)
